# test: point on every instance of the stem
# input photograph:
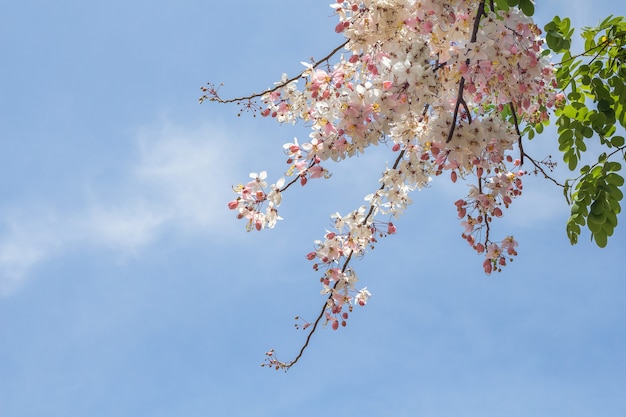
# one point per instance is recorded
(217, 98)
(519, 134)
(540, 169)
(459, 100)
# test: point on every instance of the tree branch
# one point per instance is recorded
(213, 94)
(459, 100)
(539, 168)
(519, 134)
(286, 365)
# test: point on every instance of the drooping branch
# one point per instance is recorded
(273, 361)
(539, 168)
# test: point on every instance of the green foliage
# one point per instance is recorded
(593, 106)
(526, 6)
(596, 201)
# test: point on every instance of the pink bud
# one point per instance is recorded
(453, 176)
(335, 325)
(396, 147)
(391, 229)
(233, 204)
(487, 266)
(310, 256)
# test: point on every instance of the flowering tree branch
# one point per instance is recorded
(212, 93)
(271, 359)
(405, 63)
(480, 12)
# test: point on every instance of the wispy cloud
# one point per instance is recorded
(176, 181)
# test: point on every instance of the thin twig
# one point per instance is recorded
(277, 86)
(540, 169)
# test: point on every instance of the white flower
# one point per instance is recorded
(362, 297)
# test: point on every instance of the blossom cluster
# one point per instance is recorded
(431, 79)
(353, 234)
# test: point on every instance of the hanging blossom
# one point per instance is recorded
(432, 79)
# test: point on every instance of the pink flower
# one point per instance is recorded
(316, 171)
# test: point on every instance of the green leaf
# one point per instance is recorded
(601, 239)
(613, 166)
(502, 5)
(594, 224)
(555, 41)
(605, 105)
(571, 164)
(615, 179)
(573, 231)
(597, 211)
(527, 7)
(570, 111)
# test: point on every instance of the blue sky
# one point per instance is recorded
(127, 288)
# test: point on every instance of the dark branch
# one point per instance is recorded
(539, 168)
(459, 100)
(217, 98)
(519, 134)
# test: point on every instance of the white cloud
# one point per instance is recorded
(175, 182)
(16, 258)
(185, 168)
